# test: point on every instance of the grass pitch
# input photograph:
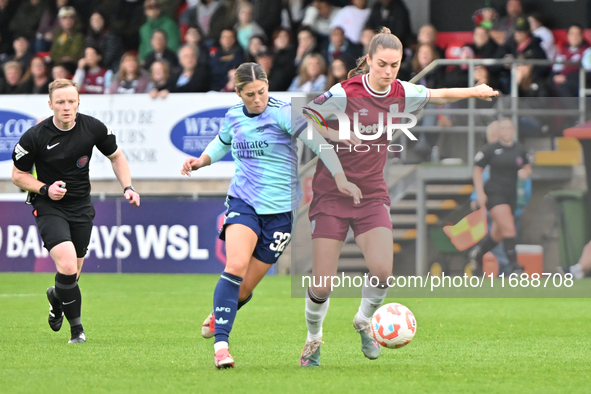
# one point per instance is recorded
(144, 337)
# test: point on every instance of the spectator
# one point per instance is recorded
(566, 77)
(106, 40)
(193, 77)
(68, 45)
(544, 34)
(318, 16)
(156, 20)
(425, 54)
(159, 75)
(339, 45)
(352, 19)
(306, 44)
(12, 77)
(60, 71)
(131, 78)
(457, 76)
(265, 59)
(225, 17)
(283, 55)
(160, 51)
(246, 27)
(90, 76)
(267, 13)
(126, 19)
(36, 80)
(394, 15)
(523, 43)
(428, 35)
(366, 36)
(338, 70)
(292, 14)
(7, 9)
(529, 86)
(504, 27)
(48, 24)
(26, 19)
(195, 37)
(200, 15)
(255, 45)
(21, 52)
(230, 86)
(223, 58)
(311, 77)
(483, 46)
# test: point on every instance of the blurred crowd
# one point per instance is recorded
(162, 46)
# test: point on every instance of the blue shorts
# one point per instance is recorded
(274, 231)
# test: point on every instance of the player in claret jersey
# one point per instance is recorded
(372, 88)
(262, 197)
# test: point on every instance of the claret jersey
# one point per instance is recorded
(364, 164)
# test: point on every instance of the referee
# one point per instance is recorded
(60, 147)
(507, 160)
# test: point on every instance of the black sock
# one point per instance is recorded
(242, 303)
(509, 246)
(485, 246)
(68, 292)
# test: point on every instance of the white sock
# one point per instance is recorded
(315, 313)
(220, 345)
(371, 300)
(577, 271)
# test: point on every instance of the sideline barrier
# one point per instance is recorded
(168, 235)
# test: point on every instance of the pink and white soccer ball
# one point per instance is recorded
(393, 325)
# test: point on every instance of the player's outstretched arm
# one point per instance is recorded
(121, 170)
(193, 164)
(447, 96)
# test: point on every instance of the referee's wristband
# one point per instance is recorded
(128, 188)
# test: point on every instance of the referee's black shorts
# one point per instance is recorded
(59, 224)
(498, 198)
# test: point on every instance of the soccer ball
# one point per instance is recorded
(393, 325)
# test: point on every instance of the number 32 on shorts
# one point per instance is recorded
(281, 241)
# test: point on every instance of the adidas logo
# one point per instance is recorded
(221, 321)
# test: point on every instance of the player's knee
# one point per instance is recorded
(321, 292)
(237, 266)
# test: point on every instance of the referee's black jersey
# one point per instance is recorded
(504, 164)
(64, 155)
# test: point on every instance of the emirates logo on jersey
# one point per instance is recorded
(82, 161)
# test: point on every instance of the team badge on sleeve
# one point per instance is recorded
(109, 131)
(322, 98)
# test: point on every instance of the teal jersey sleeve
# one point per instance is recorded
(221, 144)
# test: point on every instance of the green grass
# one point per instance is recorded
(144, 337)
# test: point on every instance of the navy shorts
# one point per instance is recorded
(274, 231)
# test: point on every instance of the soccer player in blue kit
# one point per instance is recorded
(263, 194)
